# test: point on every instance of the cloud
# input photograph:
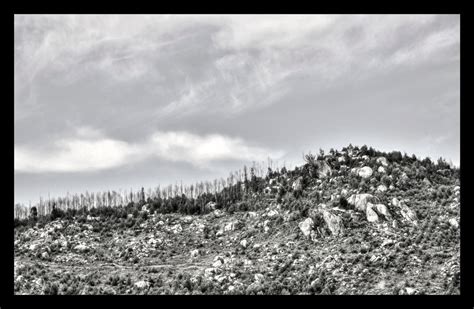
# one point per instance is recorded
(238, 62)
(90, 151)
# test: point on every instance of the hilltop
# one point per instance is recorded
(355, 221)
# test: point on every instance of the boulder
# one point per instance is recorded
(81, 248)
(211, 206)
(272, 213)
(382, 160)
(231, 226)
(334, 223)
(218, 213)
(243, 243)
(298, 184)
(395, 202)
(324, 170)
(365, 172)
(371, 214)
(382, 188)
(341, 159)
(176, 229)
(454, 222)
(408, 214)
(258, 277)
(359, 201)
(381, 169)
(381, 209)
(142, 284)
(195, 253)
(306, 226)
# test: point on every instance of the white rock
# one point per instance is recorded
(306, 226)
(334, 223)
(383, 210)
(359, 201)
(195, 253)
(272, 213)
(218, 263)
(81, 248)
(258, 277)
(454, 222)
(381, 188)
(298, 184)
(365, 172)
(395, 202)
(371, 214)
(381, 169)
(408, 214)
(142, 284)
(243, 243)
(218, 213)
(382, 160)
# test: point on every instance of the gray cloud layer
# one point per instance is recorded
(205, 94)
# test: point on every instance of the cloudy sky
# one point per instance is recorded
(110, 102)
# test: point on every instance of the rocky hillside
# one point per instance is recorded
(355, 221)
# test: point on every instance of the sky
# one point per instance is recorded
(107, 102)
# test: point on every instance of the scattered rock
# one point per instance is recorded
(81, 248)
(359, 201)
(371, 214)
(334, 223)
(298, 184)
(142, 284)
(324, 170)
(382, 160)
(408, 214)
(454, 222)
(306, 226)
(195, 253)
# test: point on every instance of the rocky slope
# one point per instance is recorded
(361, 224)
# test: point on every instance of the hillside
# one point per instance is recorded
(355, 221)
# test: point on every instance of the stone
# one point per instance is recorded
(218, 213)
(324, 170)
(298, 184)
(211, 206)
(371, 214)
(306, 226)
(381, 169)
(383, 210)
(195, 253)
(365, 172)
(142, 284)
(176, 229)
(382, 160)
(359, 201)
(454, 222)
(334, 223)
(44, 255)
(81, 248)
(381, 188)
(408, 214)
(272, 213)
(243, 243)
(258, 277)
